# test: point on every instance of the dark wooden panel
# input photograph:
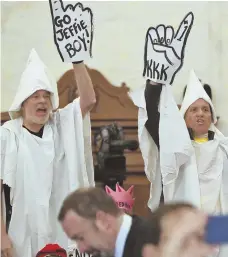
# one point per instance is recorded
(141, 194)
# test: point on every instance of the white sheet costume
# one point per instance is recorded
(189, 171)
(42, 171)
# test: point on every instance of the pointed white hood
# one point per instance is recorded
(195, 91)
(35, 77)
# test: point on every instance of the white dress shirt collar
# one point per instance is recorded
(122, 235)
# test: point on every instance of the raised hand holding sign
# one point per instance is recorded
(164, 51)
(73, 30)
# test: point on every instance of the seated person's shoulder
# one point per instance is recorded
(145, 227)
(141, 223)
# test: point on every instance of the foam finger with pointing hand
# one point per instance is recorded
(182, 34)
(73, 30)
(164, 50)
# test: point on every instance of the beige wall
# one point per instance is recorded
(120, 29)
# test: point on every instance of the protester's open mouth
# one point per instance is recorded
(200, 121)
(41, 111)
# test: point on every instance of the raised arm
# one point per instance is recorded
(152, 97)
(163, 58)
(85, 88)
(73, 36)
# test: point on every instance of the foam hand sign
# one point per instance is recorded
(164, 51)
(73, 30)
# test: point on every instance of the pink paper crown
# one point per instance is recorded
(124, 199)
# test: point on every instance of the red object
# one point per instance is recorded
(52, 250)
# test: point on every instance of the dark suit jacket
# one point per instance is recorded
(141, 232)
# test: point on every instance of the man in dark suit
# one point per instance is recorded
(92, 219)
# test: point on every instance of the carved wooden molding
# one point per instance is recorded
(112, 102)
(113, 105)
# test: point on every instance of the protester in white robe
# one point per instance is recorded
(47, 154)
(205, 154)
(190, 162)
(185, 156)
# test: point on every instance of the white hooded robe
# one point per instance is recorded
(189, 171)
(41, 172)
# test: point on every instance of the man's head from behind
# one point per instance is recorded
(181, 228)
(158, 216)
(91, 218)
